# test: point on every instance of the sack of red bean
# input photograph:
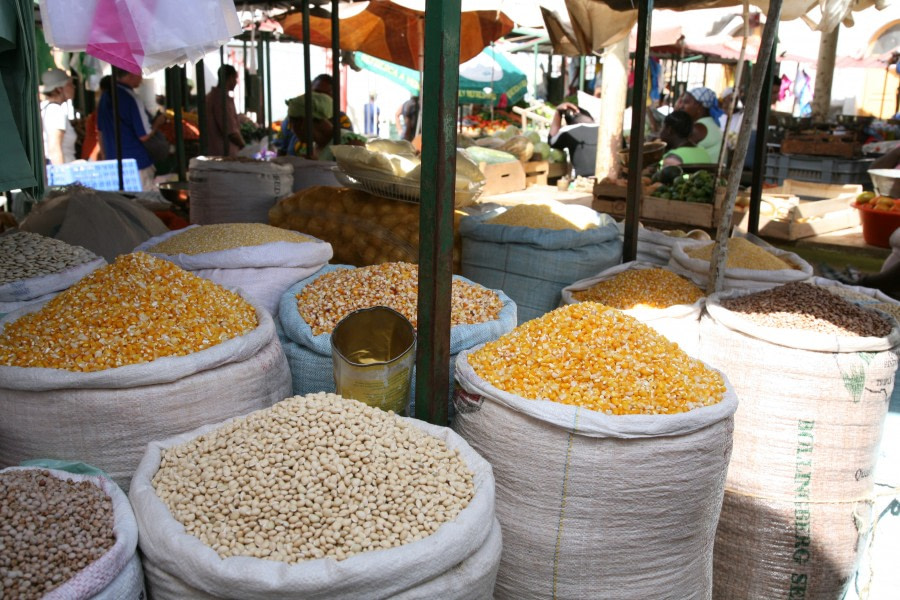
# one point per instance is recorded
(814, 374)
(66, 536)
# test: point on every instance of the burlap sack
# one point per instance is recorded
(799, 490)
(236, 191)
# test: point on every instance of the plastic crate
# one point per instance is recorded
(823, 169)
(99, 175)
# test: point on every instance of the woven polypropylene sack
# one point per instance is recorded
(116, 575)
(458, 561)
(233, 191)
(106, 418)
(598, 506)
(800, 489)
(310, 359)
(697, 270)
(532, 266)
(25, 291)
(261, 274)
(679, 323)
(655, 247)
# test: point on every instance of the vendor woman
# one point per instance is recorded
(703, 107)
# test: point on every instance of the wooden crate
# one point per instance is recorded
(822, 144)
(668, 211)
(605, 190)
(536, 172)
(557, 170)
(502, 178)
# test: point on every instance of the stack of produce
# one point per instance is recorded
(532, 257)
(667, 302)
(748, 266)
(35, 268)
(362, 229)
(66, 536)
(317, 497)
(311, 309)
(137, 348)
(636, 434)
(813, 373)
(259, 260)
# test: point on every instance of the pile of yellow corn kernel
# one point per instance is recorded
(135, 310)
(542, 216)
(331, 297)
(594, 356)
(742, 254)
(641, 288)
(225, 236)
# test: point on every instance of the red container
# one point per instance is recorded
(878, 225)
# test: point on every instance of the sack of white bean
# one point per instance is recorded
(317, 497)
(231, 190)
(667, 302)
(35, 268)
(258, 260)
(311, 308)
(814, 374)
(750, 266)
(137, 349)
(609, 447)
(66, 537)
(533, 264)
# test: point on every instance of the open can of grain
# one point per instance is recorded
(373, 351)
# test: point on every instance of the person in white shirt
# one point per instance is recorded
(59, 135)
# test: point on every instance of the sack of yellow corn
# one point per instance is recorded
(258, 260)
(136, 349)
(533, 252)
(609, 446)
(311, 308)
(814, 374)
(751, 265)
(669, 303)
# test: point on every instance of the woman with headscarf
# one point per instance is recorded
(703, 106)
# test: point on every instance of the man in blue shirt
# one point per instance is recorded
(134, 126)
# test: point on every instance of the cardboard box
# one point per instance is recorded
(502, 178)
(536, 172)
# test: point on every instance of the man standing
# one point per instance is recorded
(221, 126)
(578, 136)
(134, 125)
(410, 113)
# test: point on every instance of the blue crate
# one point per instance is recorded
(823, 169)
(100, 175)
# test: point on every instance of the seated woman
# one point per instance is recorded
(675, 132)
(321, 126)
(703, 107)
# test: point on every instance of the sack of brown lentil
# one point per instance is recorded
(317, 497)
(609, 446)
(258, 260)
(66, 536)
(750, 266)
(814, 374)
(311, 309)
(667, 302)
(235, 190)
(135, 350)
(534, 256)
(35, 268)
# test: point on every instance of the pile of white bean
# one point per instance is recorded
(26, 255)
(50, 529)
(314, 476)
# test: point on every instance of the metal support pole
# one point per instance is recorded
(117, 129)
(636, 144)
(759, 152)
(581, 74)
(269, 116)
(260, 79)
(441, 84)
(307, 66)
(335, 72)
(223, 98)
(201, 107)
(178, 104)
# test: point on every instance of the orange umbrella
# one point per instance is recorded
(394, 32)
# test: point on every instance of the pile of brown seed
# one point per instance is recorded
(809, 307)
(50, 529)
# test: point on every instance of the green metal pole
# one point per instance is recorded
(201, 107)
(441, 87)
(307, 66)
(581, 74)
(636, 144)
(223, 97)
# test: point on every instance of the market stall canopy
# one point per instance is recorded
(393, 30)
(482, 79)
